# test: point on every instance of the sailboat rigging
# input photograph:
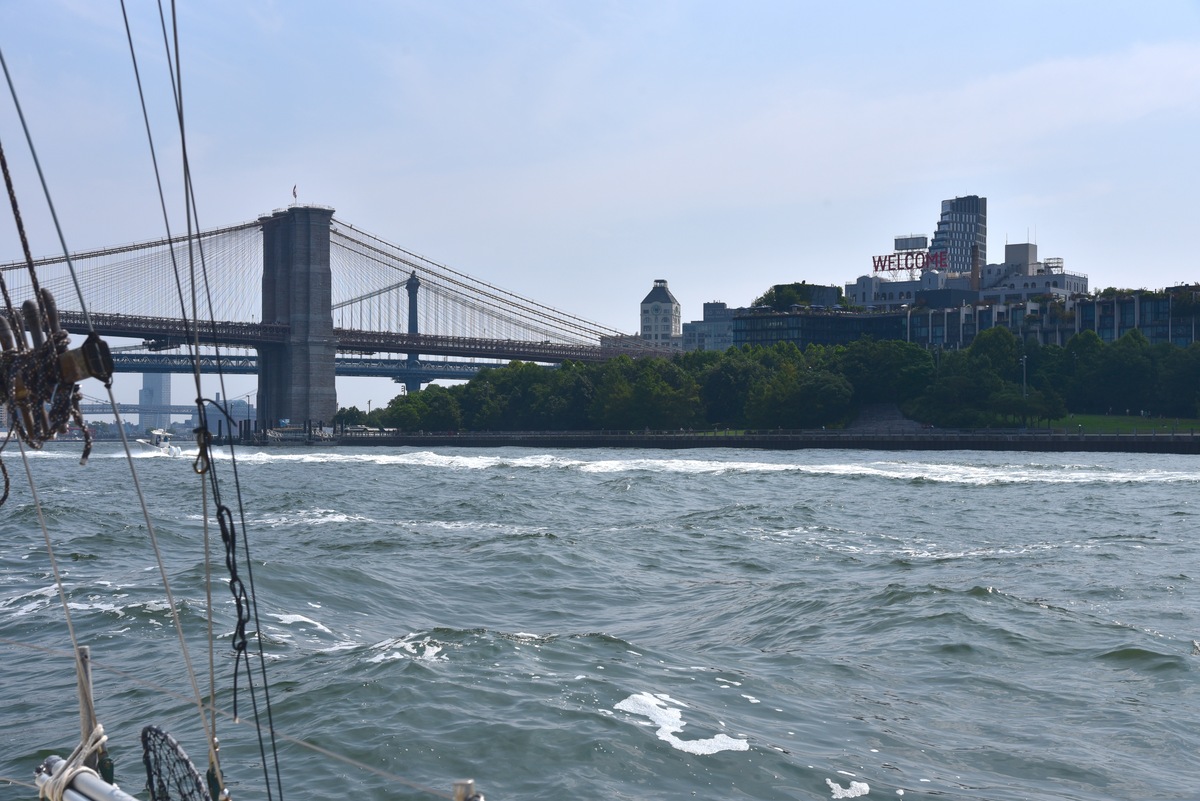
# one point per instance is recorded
(40, 374)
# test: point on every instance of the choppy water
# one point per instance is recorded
(640, 624)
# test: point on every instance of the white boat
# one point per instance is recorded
(160, 441)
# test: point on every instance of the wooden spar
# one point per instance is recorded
(87, 710)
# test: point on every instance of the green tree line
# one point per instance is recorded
(997, 381)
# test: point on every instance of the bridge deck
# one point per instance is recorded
(169, 332)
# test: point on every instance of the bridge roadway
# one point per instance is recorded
(237, 364)
(238, 334)
(138, 408)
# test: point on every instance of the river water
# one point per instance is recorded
(632, 624)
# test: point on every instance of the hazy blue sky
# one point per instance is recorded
(575, 151)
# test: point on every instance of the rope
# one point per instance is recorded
(12, 198)
(208, 724)
(247, 611)
(74, 765)
(199, 284)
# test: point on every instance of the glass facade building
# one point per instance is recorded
(962, 233)
(1162, 317)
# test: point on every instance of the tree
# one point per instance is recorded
(441, 412)
(482, 402)
(798, 398)
(1009, 404)
(565, 399)
(664, 396)
(884, 370)
(1084, 390)
(997, 349)
(783, 297)
(1126, 374)
(960, 395)
(402, 412)
(1178, 385)
(612, 405)
(725, 387)
(352, 416)
(781, 354)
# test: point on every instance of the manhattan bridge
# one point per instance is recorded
(298, 297)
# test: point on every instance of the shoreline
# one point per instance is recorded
(937, 440)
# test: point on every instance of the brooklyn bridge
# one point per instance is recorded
(299, 296)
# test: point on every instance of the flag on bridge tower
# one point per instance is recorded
(294, 192)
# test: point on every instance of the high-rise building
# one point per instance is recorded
(962, 234)
(662, 318)
(156, 391)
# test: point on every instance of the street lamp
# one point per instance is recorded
(1024, 383)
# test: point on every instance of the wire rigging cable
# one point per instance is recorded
(199, 285)
(199, 292)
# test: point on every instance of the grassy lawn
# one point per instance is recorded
(1124, 424)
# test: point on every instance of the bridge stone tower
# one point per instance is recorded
(296, 379)
(413, 284)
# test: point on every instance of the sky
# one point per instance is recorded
(574, 152)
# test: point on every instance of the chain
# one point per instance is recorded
(240, 597)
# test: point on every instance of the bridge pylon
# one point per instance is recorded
(413, 284)
(296, 378)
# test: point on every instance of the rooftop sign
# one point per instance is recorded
(911, 260)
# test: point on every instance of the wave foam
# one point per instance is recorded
(288, 620)
(670, 720)
(853, 791)
(944, 471)
(414, 646)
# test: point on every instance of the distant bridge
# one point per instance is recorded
(300, 288)
(402, 370)
(139, 408)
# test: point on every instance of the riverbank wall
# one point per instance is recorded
(928, 440)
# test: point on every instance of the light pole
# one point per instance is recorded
(1024, 383)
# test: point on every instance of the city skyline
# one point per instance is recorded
(576, 153)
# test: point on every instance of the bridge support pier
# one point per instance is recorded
(414, 359)
(296, 379)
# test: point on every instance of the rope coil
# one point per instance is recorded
(73, 766)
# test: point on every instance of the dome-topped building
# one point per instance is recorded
(662, 318)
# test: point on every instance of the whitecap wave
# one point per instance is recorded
(314, 517)
(944, 471)
(414, 646)
(288, 620)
